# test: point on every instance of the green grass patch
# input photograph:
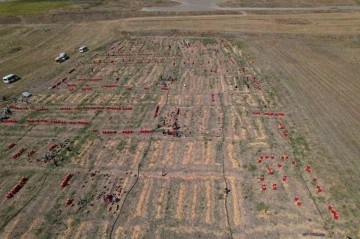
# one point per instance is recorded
(29, 7)
(211, 83)
(121, 145)
(248, 193)
(261, 206)
(240, 44)
(250, 166)
(206, 40)
(138, 116)
(299, 144)
(243, 146)
(133, 147)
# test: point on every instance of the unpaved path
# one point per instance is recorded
(187, 6)
(211, 5)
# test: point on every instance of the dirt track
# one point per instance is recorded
(297, 24)
(206, 6)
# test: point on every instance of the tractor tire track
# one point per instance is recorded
(328, 229)
(223, 166)
(138, 172)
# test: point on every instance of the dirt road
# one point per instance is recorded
(204, 6)
(316, 24)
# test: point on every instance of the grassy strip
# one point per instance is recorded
(29, 7)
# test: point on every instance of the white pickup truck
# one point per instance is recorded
(62, 57)
(83, 49)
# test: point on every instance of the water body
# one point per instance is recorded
(211, 5)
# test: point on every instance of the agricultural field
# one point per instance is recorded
(163, 125)
(239, 126)
(140, 87)
(43, 11)
(286, 3)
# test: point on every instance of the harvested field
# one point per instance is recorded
(285, 3)
(161, 133)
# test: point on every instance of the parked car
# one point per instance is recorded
(62, 57)
(83, 49)
(10, 78)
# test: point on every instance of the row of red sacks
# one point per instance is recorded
(56, 121)
(66, 180)
(142, 131)
(16, 189)
(17, 154)
(59, 83)
(269, 113)
(8, 121)
(27, 108)
(97, 108)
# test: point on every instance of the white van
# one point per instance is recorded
(10, 78)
